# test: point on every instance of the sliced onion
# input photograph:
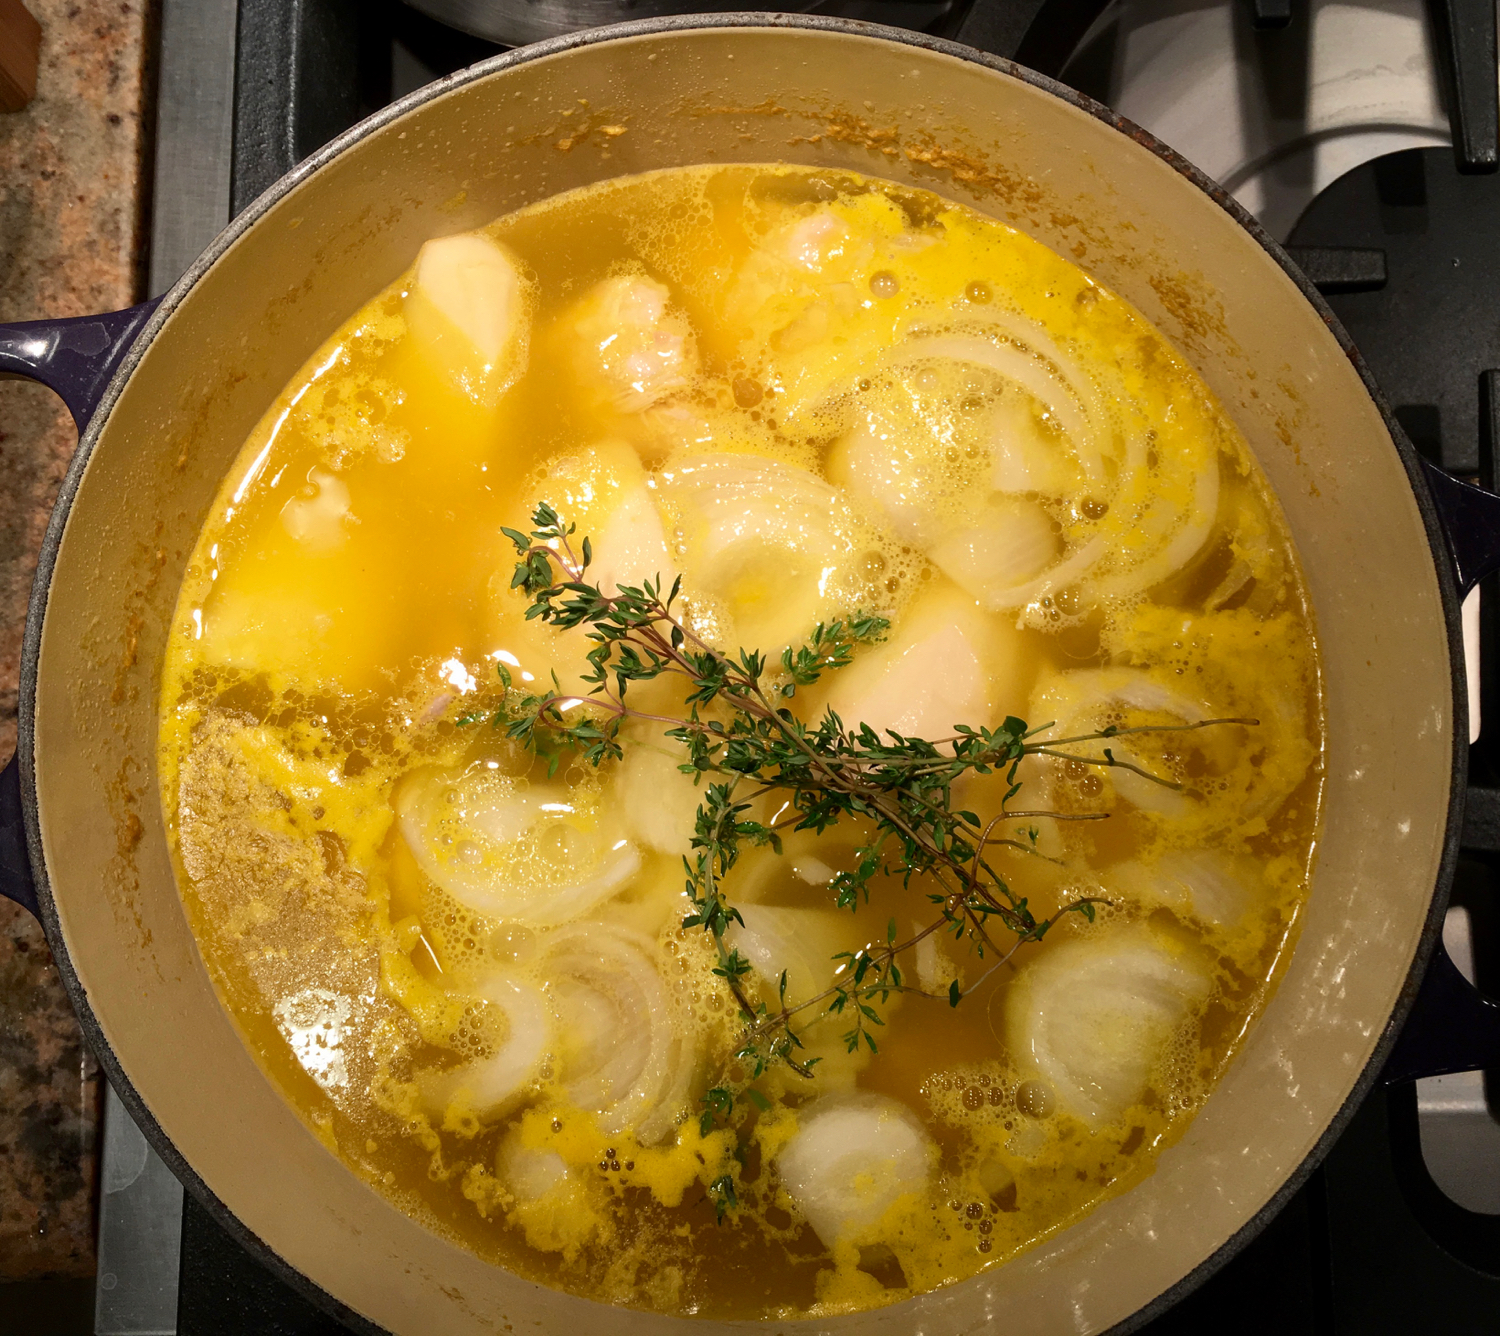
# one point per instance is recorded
(728, 497)
(1179, 537)
(1067, 572)
(605, 492)
(801, 942)
(490, 1085)
(658, 801)
(1094, 1016)
(512, 850)
(1021, 460)
(935, 968)
(1011, 543)
(1089, 699)
(626, 1049)
(1030, 334)
(630, 547)
(1067, 398)
(1253, 768)
(766, 538)
(889, 472)
(851, 1159)
(1207, 883)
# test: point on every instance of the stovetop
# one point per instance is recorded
(1331, 123)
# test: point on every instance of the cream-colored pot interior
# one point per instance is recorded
(529, 128)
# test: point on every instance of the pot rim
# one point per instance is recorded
(251, 215)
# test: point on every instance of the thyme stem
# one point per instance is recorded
(734, 730)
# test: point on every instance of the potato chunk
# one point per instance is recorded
(469, 307)
(946, 664)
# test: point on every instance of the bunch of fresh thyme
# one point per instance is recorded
(743, 739)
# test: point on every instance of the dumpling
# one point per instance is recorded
(852, 1158)
(469, 308)
(536, 853)
(1093, 1016)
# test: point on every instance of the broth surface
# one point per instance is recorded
(810, 394)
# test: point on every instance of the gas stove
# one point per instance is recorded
(1364, 137)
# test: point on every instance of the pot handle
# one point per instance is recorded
(15, 863)
(1470, 518)
(1453, 1027)
(75, 358)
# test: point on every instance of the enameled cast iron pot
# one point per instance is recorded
(165, 395)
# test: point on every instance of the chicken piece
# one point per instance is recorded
(812, 241)
(313, 595)
(319, 518)
(633, 349)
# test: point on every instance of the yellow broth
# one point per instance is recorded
(810, 394)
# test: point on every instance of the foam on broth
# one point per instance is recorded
(809, 393)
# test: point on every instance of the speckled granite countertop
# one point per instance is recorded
(72, 197)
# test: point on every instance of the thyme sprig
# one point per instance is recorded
(744, 743)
